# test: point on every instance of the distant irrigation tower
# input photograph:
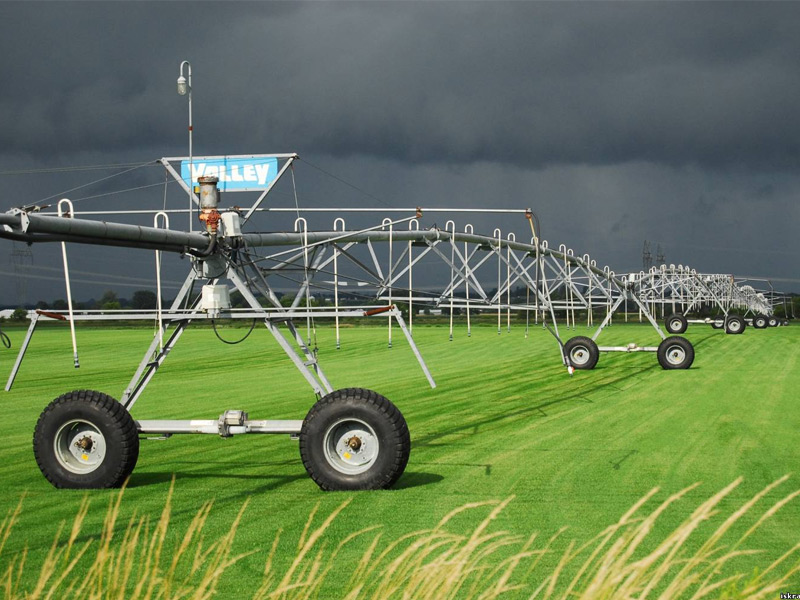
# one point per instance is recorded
(22, 259)
(660, 260)
(647, 257)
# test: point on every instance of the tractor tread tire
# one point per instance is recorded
(106, 414)
(670, 323)
(590, 346)
(736, 329)
(684, 344)
(374, 409)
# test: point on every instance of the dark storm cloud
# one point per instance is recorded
(618, 122)
(528, 83)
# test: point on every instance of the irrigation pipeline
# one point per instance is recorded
(360, 209)
(41, 228)
(46, 228)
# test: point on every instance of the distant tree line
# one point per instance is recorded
(141, 300)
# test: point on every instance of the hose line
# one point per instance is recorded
(5, 339)
(224, 341)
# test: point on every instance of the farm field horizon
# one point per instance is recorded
(505, 421)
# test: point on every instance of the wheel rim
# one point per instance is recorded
(734, 325)
(675, 324)
(351, 446)
(79, 446)
(579, 355)
(676, 355)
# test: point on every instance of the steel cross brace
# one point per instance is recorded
(148, 366)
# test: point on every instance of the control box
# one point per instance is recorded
(216, 298)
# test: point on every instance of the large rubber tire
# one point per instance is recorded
(772, 321)
(718, 323)
(676, 323)
(86, 439)
(354, 439)
(675, 353)
(735, 324)
(582, 352)
(760, 322)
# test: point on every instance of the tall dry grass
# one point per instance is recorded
(700, 558)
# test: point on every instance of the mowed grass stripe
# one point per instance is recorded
(505, 419)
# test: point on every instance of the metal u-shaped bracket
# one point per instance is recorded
(164, 217)
(470, 230)
(389, 223)
(412, 226)
(450, 226)
(498, 235)
(336, 223)
(69, 214)
(511, 237)
(300, 221)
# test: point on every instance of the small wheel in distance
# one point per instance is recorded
(718, 323)
(354, 439)
(734, 324)
(760, 322)
(85, 439)
(676, 323)
(772, 321)
(582, 352)
(675, 353)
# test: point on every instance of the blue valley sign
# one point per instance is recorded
(235, 174)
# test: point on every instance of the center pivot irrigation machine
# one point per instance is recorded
(351, 438)
(687, 291)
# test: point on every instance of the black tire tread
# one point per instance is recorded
(591, 345)
(684, 323)
(662, 353)
(742, 323)
(390, 412)
(129, 445)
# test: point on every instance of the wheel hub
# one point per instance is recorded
(79, 446)
(85, 443)
(351, 446)
(579, 355)
(676, 355)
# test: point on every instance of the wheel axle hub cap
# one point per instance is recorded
(351, 446)
(676, 355)
(579, 356)
(79, 446)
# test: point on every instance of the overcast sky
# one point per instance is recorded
(618, 123)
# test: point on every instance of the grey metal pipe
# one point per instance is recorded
(210, 426)
(135, 235)
(44, 237)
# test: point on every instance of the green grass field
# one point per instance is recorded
(505, 420)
